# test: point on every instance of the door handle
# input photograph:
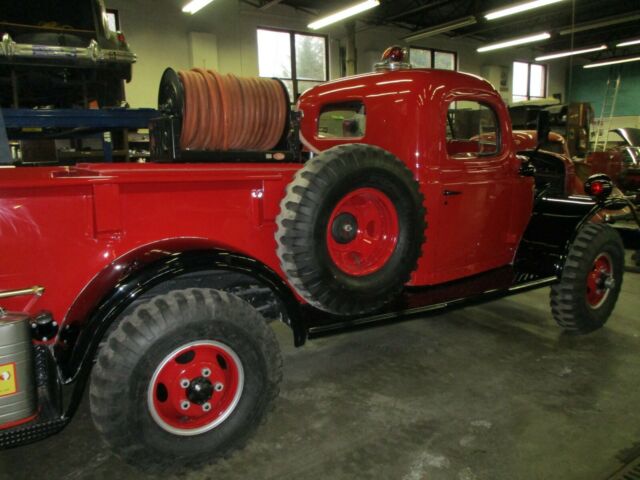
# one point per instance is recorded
(450, 193)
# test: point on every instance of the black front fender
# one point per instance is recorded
(555, 223)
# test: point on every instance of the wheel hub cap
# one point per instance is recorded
(200, 391)
(344, 228)
(600, 281)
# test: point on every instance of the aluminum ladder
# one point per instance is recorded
(606, 114)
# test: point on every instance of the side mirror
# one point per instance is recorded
(543, 127)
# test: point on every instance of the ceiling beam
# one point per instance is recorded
(416, 10)
(270, 4)
(601, 23)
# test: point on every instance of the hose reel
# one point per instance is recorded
(215, 112)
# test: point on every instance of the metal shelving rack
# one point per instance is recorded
(26, 124)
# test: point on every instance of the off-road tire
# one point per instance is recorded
(125, 365)
(303, 224)
(569, 303)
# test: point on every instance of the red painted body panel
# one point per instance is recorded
(64, 226)
(74, 230)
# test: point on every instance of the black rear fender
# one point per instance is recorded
(77, 345)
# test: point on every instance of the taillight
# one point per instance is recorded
(121, 38)
(598, 186)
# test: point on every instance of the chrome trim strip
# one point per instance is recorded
(93, 53)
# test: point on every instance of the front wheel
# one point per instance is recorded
(591, 280)
(184, 379)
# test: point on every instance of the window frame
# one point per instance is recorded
(432, 56)
(292, 49)
(477, 156)
(545, 80)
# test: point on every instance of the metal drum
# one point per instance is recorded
(18, 396)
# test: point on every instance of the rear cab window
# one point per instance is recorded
(472, 130)
(342, 120)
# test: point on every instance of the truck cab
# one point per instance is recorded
(443, 125)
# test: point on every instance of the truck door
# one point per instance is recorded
(472, 222)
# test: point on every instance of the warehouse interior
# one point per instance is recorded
(471, 371)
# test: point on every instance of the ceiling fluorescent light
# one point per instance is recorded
(568, 53)
(195, 5)
(521, 7)
(342, 14)
(516, 41)
(442, 28)
(605, 22)
(612, 61)
(628, 42)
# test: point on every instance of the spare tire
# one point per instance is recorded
(351, 229)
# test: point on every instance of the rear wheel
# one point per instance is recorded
(591, 280)
(184, 379)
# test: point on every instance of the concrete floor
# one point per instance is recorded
(490, 392)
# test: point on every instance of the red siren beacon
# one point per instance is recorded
(393, 58)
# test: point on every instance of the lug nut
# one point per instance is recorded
(206, 406)
(184, 383)
(185, 405)
(206, 372)
(218, 387)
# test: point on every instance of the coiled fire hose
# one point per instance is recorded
(225, 112)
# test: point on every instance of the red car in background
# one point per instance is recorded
(622, 162)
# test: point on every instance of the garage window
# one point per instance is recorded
(472, 130)
(429, 58)
(529, 81)
(113, 20)
(342, 120)
(300, 60)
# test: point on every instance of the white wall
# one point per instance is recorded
(158, 32)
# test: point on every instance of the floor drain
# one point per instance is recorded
(631, 471)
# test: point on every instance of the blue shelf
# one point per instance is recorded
(105, 119)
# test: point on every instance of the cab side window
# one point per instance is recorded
(342, 120)
(472, 130)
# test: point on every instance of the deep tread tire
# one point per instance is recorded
(125, 365)
(303, 223)
(569, 304)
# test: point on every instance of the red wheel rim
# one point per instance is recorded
(600, 280)
(195, 388)
(362, 233)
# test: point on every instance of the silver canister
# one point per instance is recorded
(18, 394)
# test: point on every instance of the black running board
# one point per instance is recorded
(415, 301)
